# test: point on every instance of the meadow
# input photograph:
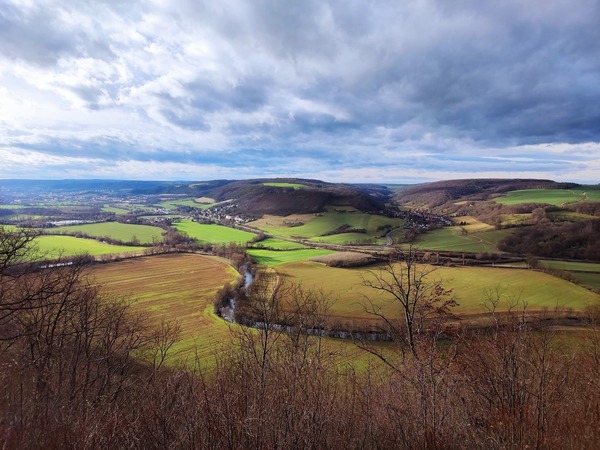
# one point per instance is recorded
(556, 197)
(278, 244)
(272, 258)
(181, 287)
(173, 204)
(286, 185)
(456, 240)
(215, 234)
(55, 246)
(118, 210)
(469, 287)
(314, 226)
(124, 232)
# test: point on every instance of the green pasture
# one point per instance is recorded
(454, 239)
(173, 204)
(286, 185)
(317, 225)
(278, 244)
(276, 258)
(550, 196)
(115, 209)
(55, 246)
(215, 234)
(7, 206)
(590, 280)
(125, 232)
(571, 265)
(469, 286)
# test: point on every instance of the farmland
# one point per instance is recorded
(315, 226)
(556, 197)
(276, 258)
(278, 244)
(175, 287)
(215, 234)
(455, 239)
(469, 286)
(55, 246)
(123, 232)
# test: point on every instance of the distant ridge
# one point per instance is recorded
(439, 192)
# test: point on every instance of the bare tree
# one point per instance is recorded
(420, 298)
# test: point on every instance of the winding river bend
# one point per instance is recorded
(228, 314)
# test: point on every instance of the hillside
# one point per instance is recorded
(542, 217)
(432, 195)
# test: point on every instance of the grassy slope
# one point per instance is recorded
(120, 231)
(55, 246)
(551, 196)
(216, 234)
(316, 225)
(453, 239)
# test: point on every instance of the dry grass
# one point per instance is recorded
(175, 287)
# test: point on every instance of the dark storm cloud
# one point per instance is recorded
(425, 85)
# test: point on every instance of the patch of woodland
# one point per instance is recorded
(577, 240)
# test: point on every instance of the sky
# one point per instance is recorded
(339, 90)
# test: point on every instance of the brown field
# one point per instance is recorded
(175, 287)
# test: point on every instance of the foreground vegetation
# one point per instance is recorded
(82, 369)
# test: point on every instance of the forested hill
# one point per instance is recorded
(437, 193)
(257, 196)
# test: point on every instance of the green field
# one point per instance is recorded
(344, 286)
(115, 209)
(173, 204)
(569, 265)
(11, 206)
(313, 226)
(124, 232)
(276, 258)
(181, 288)
(278, 244)
(55, 246)
(556, 197)
(590, 280)
(286, 185)
(454, 239)
(215, 234)
(349, 239)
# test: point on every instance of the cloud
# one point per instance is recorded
(319, 88)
